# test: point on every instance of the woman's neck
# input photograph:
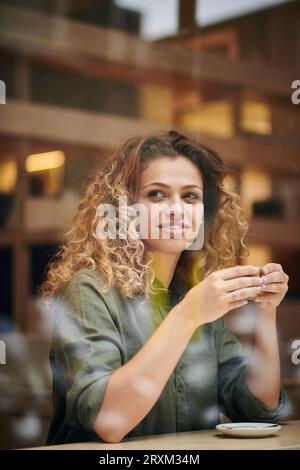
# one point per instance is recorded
(163, 265)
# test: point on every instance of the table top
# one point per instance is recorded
(288, 438)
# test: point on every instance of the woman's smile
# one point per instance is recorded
(174, 228)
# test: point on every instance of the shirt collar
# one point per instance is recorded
(177, 288)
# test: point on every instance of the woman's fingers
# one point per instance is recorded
(274, 287)
(239, 271)
(264, 297)
(241, 282)
(275, 276)
(270, 267)
(243, 294)
(239, 303)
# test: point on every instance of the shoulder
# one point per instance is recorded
(86, 278)
(82, 310)
(87, 274)
(83, 280)
(86, 286)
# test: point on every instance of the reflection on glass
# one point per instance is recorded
(214, 118)
(8, 181)
(156, 104)
(214, 11)
(55, 181)
(5, 290)
(76, 90)
(46, 172)
(8, 176)
(230, 183)
(45, 161)
(258, 255)
(256, 117)
(158, 18)
(256, 186)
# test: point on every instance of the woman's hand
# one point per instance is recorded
(274, 288)
(221, 292)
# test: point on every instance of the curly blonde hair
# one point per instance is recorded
(125, 263)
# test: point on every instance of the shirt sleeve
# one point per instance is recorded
(88, 348)
(236, 400)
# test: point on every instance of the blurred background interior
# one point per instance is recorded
(81, 75)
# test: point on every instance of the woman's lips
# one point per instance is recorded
(174, 228)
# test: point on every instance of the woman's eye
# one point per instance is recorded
(155, 194)
(192, 196)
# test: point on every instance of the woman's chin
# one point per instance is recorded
(169, 245)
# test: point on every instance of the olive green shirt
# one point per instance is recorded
(94, 334)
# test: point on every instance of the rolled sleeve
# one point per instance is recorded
(252, 409)
(88, 348)
(236, 400)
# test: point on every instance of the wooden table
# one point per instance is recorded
(288, 438)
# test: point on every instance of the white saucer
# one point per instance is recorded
(249, 429)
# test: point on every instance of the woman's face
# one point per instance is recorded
(171, 191)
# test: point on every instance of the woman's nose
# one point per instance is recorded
(175, 199)
(176, 206)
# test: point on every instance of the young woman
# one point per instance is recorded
(140, 344)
